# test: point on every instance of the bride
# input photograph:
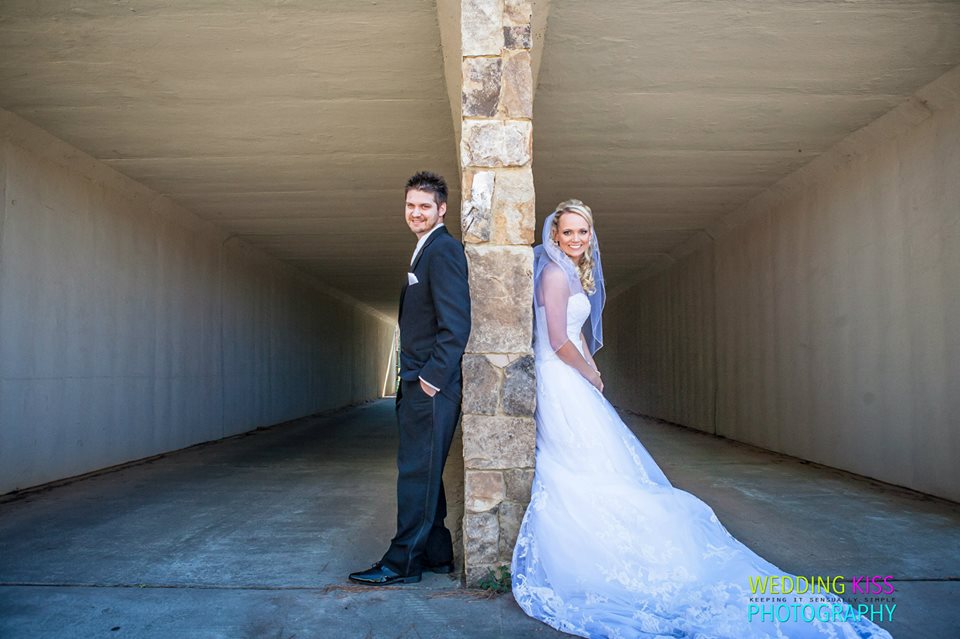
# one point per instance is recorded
(608, 547)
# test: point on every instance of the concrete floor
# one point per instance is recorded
(253, 537)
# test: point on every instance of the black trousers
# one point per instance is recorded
(426, 428)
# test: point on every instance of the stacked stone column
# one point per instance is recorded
(498, 228)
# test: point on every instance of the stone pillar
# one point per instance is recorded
(498, 228)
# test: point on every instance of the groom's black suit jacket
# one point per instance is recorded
(434, 315)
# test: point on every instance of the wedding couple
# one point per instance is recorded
(607, 547)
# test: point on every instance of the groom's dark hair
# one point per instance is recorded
(430, 183)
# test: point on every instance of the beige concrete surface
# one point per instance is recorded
(129, 327)
(293, 124)
(168, 548)
(289, 127)
(835, 317)
(665, 116)
(280, 121)
(659, 353)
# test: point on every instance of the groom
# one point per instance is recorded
(434, 327)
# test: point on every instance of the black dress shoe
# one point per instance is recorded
(380, 575)
(441, 569)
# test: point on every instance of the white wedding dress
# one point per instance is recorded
(608, 548)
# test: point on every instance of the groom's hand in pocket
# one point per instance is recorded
(429, 390)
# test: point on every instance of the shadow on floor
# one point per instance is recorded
(253, 537)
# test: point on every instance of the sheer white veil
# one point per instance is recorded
(548, 253)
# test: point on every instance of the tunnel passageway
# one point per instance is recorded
(253, 536)
(190, 251)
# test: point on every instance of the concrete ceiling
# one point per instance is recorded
(291, 124)
(294, 124)
(664, 116)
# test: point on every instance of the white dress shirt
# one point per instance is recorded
(422, 241)
(416, 251)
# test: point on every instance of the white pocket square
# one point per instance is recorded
(412, 279)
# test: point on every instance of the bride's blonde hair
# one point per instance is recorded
(585, 266)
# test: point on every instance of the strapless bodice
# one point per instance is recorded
(578, 310)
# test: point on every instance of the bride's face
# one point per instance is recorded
(573, 235)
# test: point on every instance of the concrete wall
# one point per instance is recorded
(835, 312)
(658, 354)
(129, 327)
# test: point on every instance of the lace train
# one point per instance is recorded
(608, 548)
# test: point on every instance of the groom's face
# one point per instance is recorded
(422, 211)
